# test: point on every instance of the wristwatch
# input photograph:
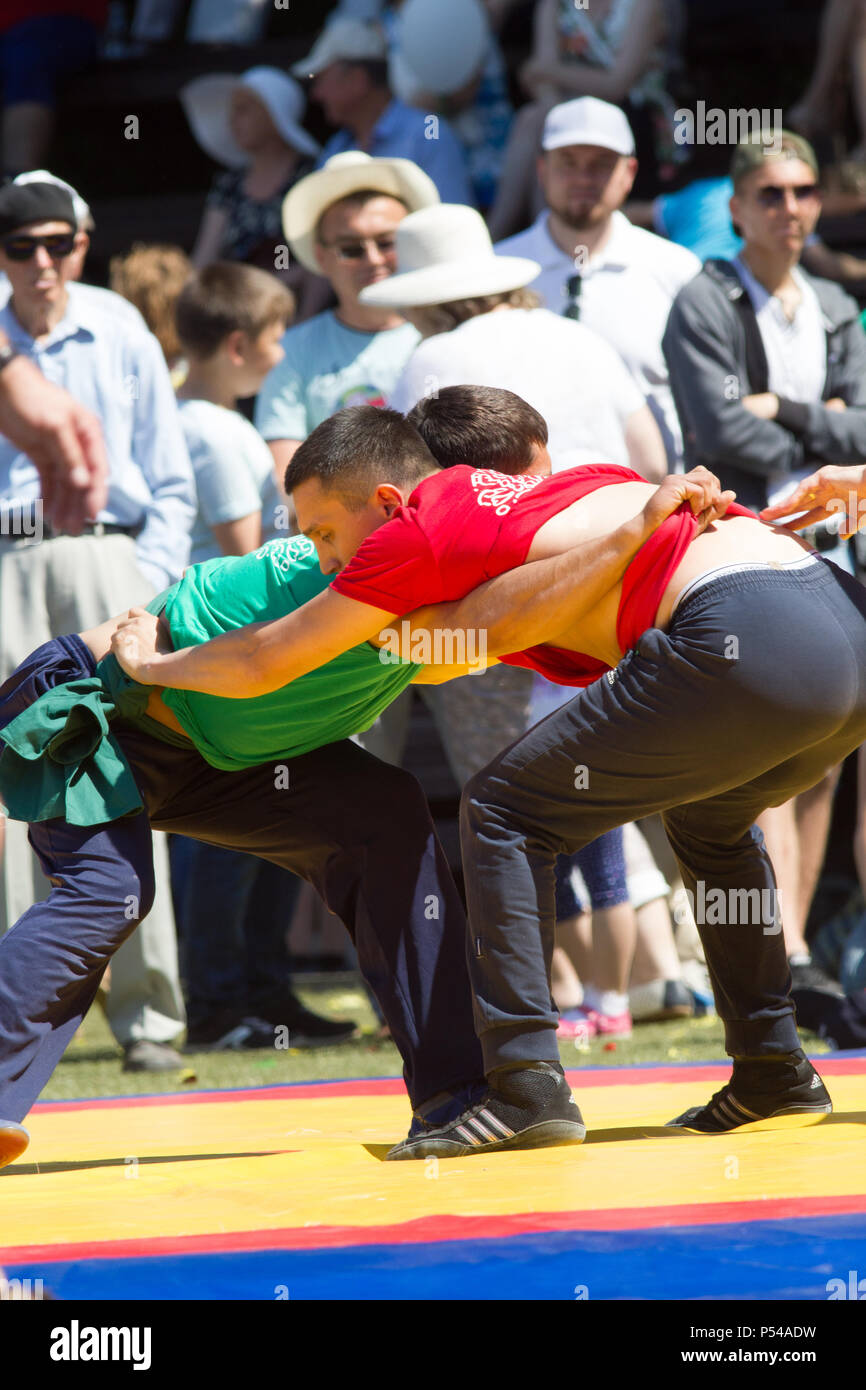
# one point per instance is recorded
(7, 353)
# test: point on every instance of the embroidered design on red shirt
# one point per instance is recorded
(502, 490)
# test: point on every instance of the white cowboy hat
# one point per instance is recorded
(341, 41)
(343, 174)
(440, 45)
(206, 103)
(445, 253)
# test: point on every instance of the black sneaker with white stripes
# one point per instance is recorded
(527, 1107)
(774, 1092)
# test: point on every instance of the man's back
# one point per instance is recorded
(566, 371)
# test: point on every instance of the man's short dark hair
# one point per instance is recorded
(227, 296)
(482, 426)
(352, 452)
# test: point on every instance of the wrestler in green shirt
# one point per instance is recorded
(59, 758)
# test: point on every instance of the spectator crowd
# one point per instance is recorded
(536, 229)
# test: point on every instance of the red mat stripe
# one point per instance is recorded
(579, 1078)
(434, 1229)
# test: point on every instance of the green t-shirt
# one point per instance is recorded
(342, 698)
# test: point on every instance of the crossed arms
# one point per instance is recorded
(519, 609)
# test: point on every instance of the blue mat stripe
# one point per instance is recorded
(791, 1259)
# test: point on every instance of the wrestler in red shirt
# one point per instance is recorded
(419, 535)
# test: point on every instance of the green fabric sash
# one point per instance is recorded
(58, 758)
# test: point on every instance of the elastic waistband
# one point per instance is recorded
(813, 572)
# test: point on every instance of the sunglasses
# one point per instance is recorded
(356, 250)
(772, 197)
(21, 248)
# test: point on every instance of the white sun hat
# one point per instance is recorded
(445, 253)
(206, 103)
(343, 174)
(341, 41)
(440, 44)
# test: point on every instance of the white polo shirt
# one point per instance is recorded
(570, 375)
(626, 295)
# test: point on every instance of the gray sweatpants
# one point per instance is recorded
(755, 691)
(48, 589)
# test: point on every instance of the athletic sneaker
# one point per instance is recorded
(806, 974)
(575, 1025)
(528, 1108)
(283, 1009)
(13, 1141)
(446, 1106)
(610, 1025)
(229, 1031)
(763, 1093)
(659, 1000)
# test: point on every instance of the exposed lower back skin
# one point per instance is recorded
(733, 540)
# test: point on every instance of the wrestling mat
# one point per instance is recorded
(281, 1192)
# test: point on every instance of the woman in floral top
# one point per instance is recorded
(613, 50)
(252, 124)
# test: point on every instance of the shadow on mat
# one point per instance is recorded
(82, 1164)
(619, 1135)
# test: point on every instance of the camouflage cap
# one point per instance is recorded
(770, 144)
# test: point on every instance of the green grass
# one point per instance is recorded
(92, 1065)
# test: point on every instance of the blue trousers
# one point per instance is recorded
(755, 691)
(358, 829)
(233, 912)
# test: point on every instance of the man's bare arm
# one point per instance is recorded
(255, 659)
(262, 657)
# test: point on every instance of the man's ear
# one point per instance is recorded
(388, 498)
(82, 242)
(235, 345)
(630, 172)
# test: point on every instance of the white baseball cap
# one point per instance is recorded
(350, 172)
(341, 41)
(445, 253)
(206, 103)
(588, 121)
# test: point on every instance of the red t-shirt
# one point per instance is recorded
(464, 525)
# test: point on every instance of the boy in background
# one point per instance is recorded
(234, 909)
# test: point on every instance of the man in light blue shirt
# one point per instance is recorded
(349, 68)
(52, 583)
(340, 222)
(121, 375)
